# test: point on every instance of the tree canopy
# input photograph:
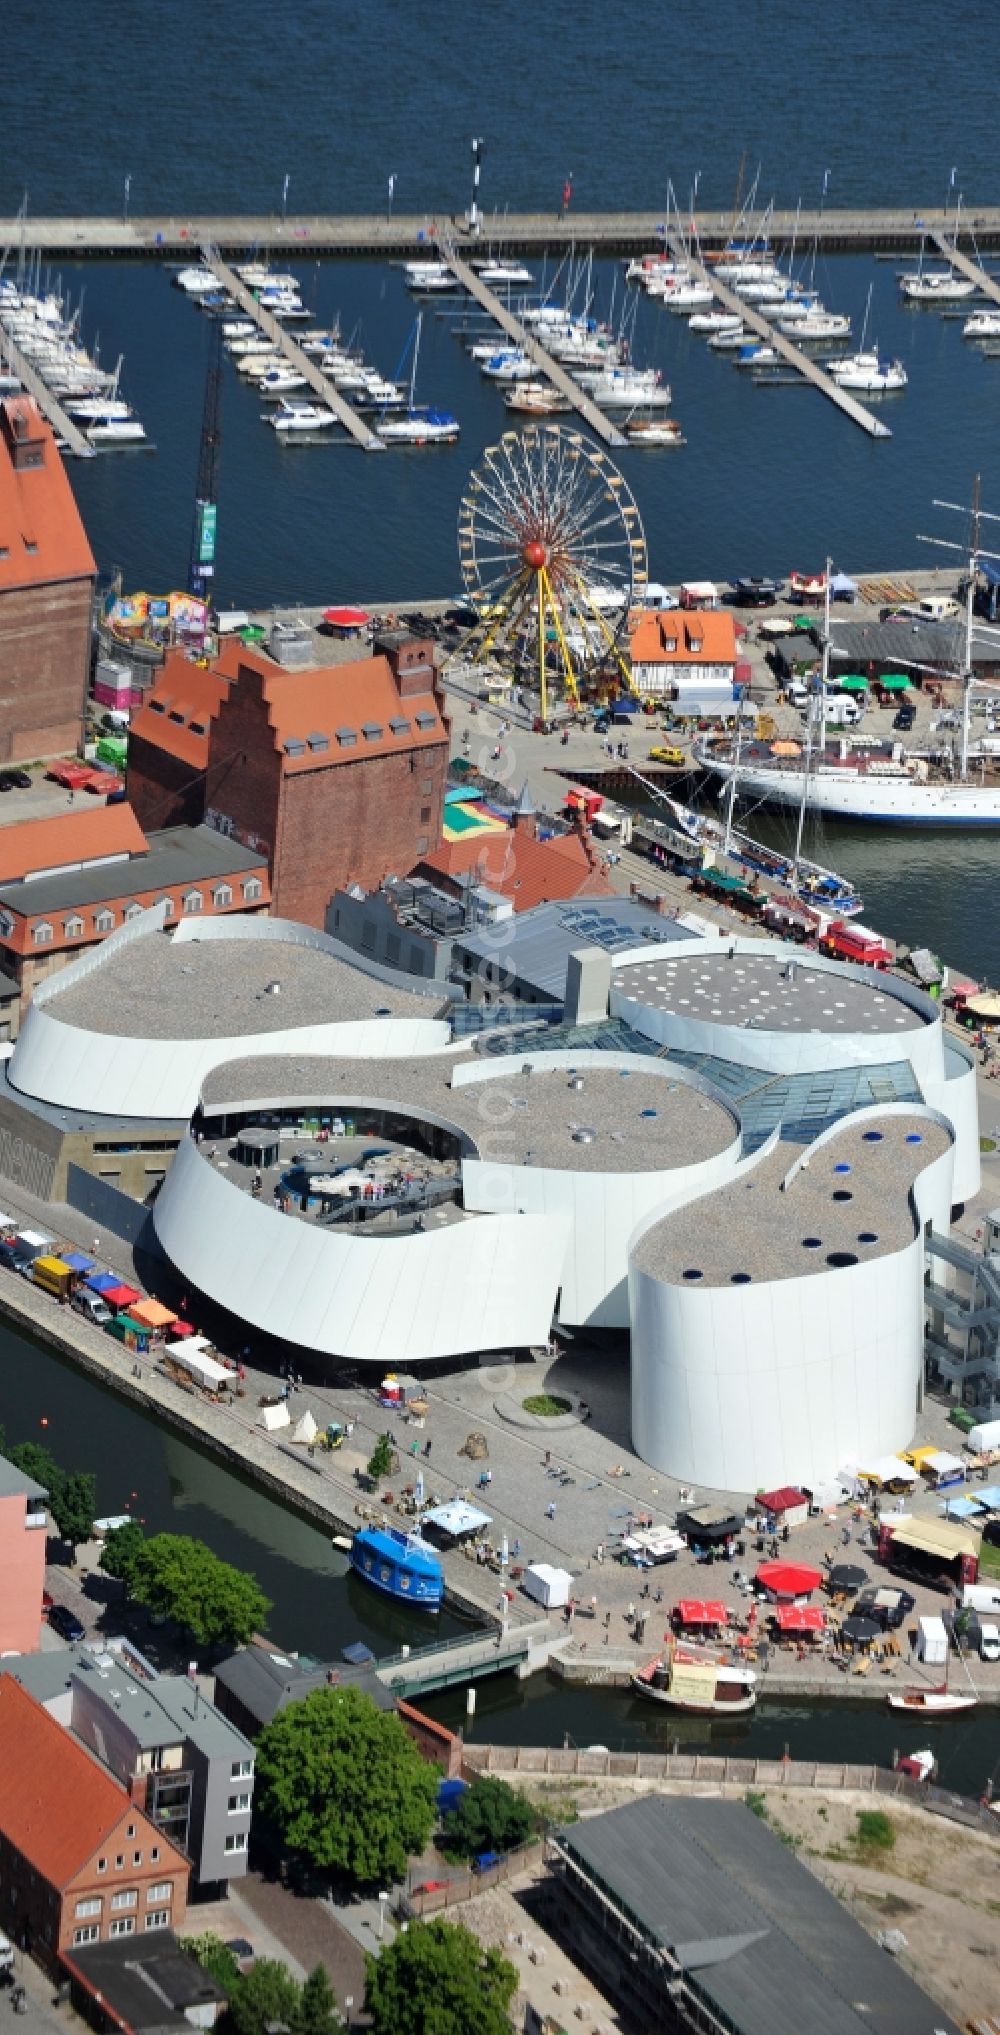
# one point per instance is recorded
(267, 1996)
(489, 1815)
(436, 1979)
(72, 1499)
(380, 1460)
(182, 1579)
(345, 1785)
(121, 1552)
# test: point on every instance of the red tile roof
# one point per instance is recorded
(301, 704)
(57, 1805)
(699, 636)
(30, 847)
(521, 867)
(42, 538)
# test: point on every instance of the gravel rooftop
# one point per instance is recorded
(849, 1204)
(512, 1117)
(159, 989)
(760, 989)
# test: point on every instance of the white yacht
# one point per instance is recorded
(419, 427)
(97, 409)
(714, 321)
(982, 325)
(300, 417)
(935, 286)
(731, 339)
(491, 272)
(196, 282)
(508, 367)
(115, 431)
(818, 325)
(280, 381)
(429, 275)
(756, 354)
(688, 296)
(869, 373)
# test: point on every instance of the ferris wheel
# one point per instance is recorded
(553, 554)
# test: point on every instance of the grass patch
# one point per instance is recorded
(548, 1404)
(876, 1832)
(756, 1803)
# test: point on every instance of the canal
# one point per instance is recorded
(147, 1470)
(172, 1487)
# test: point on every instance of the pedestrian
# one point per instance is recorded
(607, 1621)
(96, 1245)
(593, 1607)
(550, 1509)
(600, 1550)
(548, 1457)
(630, 1612)
(427, 1447)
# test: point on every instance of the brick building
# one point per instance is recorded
(79, 1862)
(66, 883)
(47, 574)
(337, 774)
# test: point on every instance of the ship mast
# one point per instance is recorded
(824, 673)
(975, 552)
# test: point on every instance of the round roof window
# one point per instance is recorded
(840, 1258)
(914, 1137)
(842, 1166)
(811, 1243)
(739, 1279)
(867, 1236)
(842, 1194)
(692, 1273)
(872, 1137)
(647, 1112)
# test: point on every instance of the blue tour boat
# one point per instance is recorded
(401, 1565)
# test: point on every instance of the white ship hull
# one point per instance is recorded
(852, 795)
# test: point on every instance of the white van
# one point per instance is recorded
(797, 692)
(981, 1597)
(989, 1642)
(932, 608)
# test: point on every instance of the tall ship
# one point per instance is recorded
(852, 780)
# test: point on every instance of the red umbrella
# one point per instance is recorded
(346, 618)
(788, 1579)
(800, 1618)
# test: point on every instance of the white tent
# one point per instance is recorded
(273, 1417)
(305, 1429)
(457, 1518)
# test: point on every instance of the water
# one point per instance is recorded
(543, 1711)
(144, 1469)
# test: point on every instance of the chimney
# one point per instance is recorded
(410, 659)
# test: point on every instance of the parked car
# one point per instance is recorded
(66, 1623)
(665, 753)
(904, 717)
(431, 1887)
(484, 1861)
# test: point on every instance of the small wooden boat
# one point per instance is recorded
(536, 399)
(917, 1766)
(942, 1702)
(702, 1683)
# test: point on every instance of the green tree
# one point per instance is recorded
(380, 1460)
(265, 1996)
(317, 2014)
(345, 1785)
(73, 1505)
(38, 1462)
(489, 1816)
(182, 1579)
(216, 1958)
(437, 1980)
(121, 1552)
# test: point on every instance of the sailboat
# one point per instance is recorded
(418, 426)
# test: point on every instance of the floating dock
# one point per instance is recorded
(810, 370)
(600, 424)
(988, 285)
(284, 343)
(71, 435)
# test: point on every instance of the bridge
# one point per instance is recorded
(167, 236)
(440, 1666)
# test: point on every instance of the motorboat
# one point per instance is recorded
(942, 1702)
(756, 354)
(401, 1565)
(280, 381)
(300, 417)
(624, 391)
(935, 286)
(982, 325)
(916, 1766)
(97, 409)
(698, 1682)
(736, 269)
(257, 276)
(492, 272)
(115, 431)
(795, 304)
(869, 373)
(536, 399)
(730, 339)
(816, 325)
(654, 431)
(249, 342)
(763, 291)
(419, 427)
(196, 282)
(508, 367)
(429, 275)
(714, 321)
(688, 296)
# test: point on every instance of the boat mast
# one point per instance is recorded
(810, 724)
(416, 356)
(731, 798)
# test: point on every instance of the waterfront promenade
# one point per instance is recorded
(890, 230)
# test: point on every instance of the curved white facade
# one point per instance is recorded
(486, 1283)
(784, 1380)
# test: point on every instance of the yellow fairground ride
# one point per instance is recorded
(553, 556)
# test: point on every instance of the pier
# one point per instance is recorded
(591, 414)
(896, 230)
(49, 405)
(810, 370)
(284, 343)
(986, 284)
